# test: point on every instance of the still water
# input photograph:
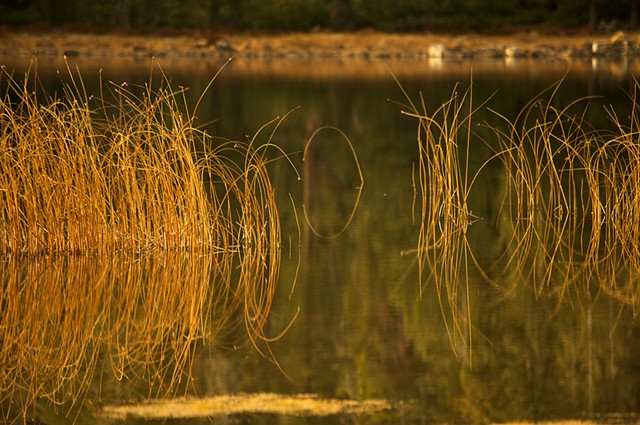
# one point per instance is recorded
(360, 322)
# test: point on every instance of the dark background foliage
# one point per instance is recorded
(284, 15)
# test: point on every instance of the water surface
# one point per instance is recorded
(359, 328)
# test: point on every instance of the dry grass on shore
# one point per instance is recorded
(315, 43)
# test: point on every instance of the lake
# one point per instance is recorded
(356, 315)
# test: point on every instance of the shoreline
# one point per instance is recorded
(364, 45)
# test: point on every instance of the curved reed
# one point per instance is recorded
(575, 218)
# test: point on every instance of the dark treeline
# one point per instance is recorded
(387, 15)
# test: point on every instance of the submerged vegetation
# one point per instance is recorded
(568, 215)
(280, 404)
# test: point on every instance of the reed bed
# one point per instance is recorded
(126, 171)
(545, 199)
(570, 206)
(128, 238)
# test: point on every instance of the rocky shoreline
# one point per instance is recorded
(338, 46)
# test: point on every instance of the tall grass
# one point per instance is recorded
(128, 236)
(570, 204)
(126, 171)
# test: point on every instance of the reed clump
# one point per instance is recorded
(444, 184)
(128, 238)
(125, 171)
(569, 207)
(570, 199)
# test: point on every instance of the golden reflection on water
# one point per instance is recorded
(67, 321)
(144, 317)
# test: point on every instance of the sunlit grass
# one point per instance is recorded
(571, 199)
(128, 237)
(126, 171)
(347, 223)
(542, 153)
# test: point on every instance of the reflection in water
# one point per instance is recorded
(106, 326)
(567, 205)
(363, 332)
(191, 220)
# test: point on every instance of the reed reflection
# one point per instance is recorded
(104, 325)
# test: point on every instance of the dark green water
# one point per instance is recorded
(363, 331)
